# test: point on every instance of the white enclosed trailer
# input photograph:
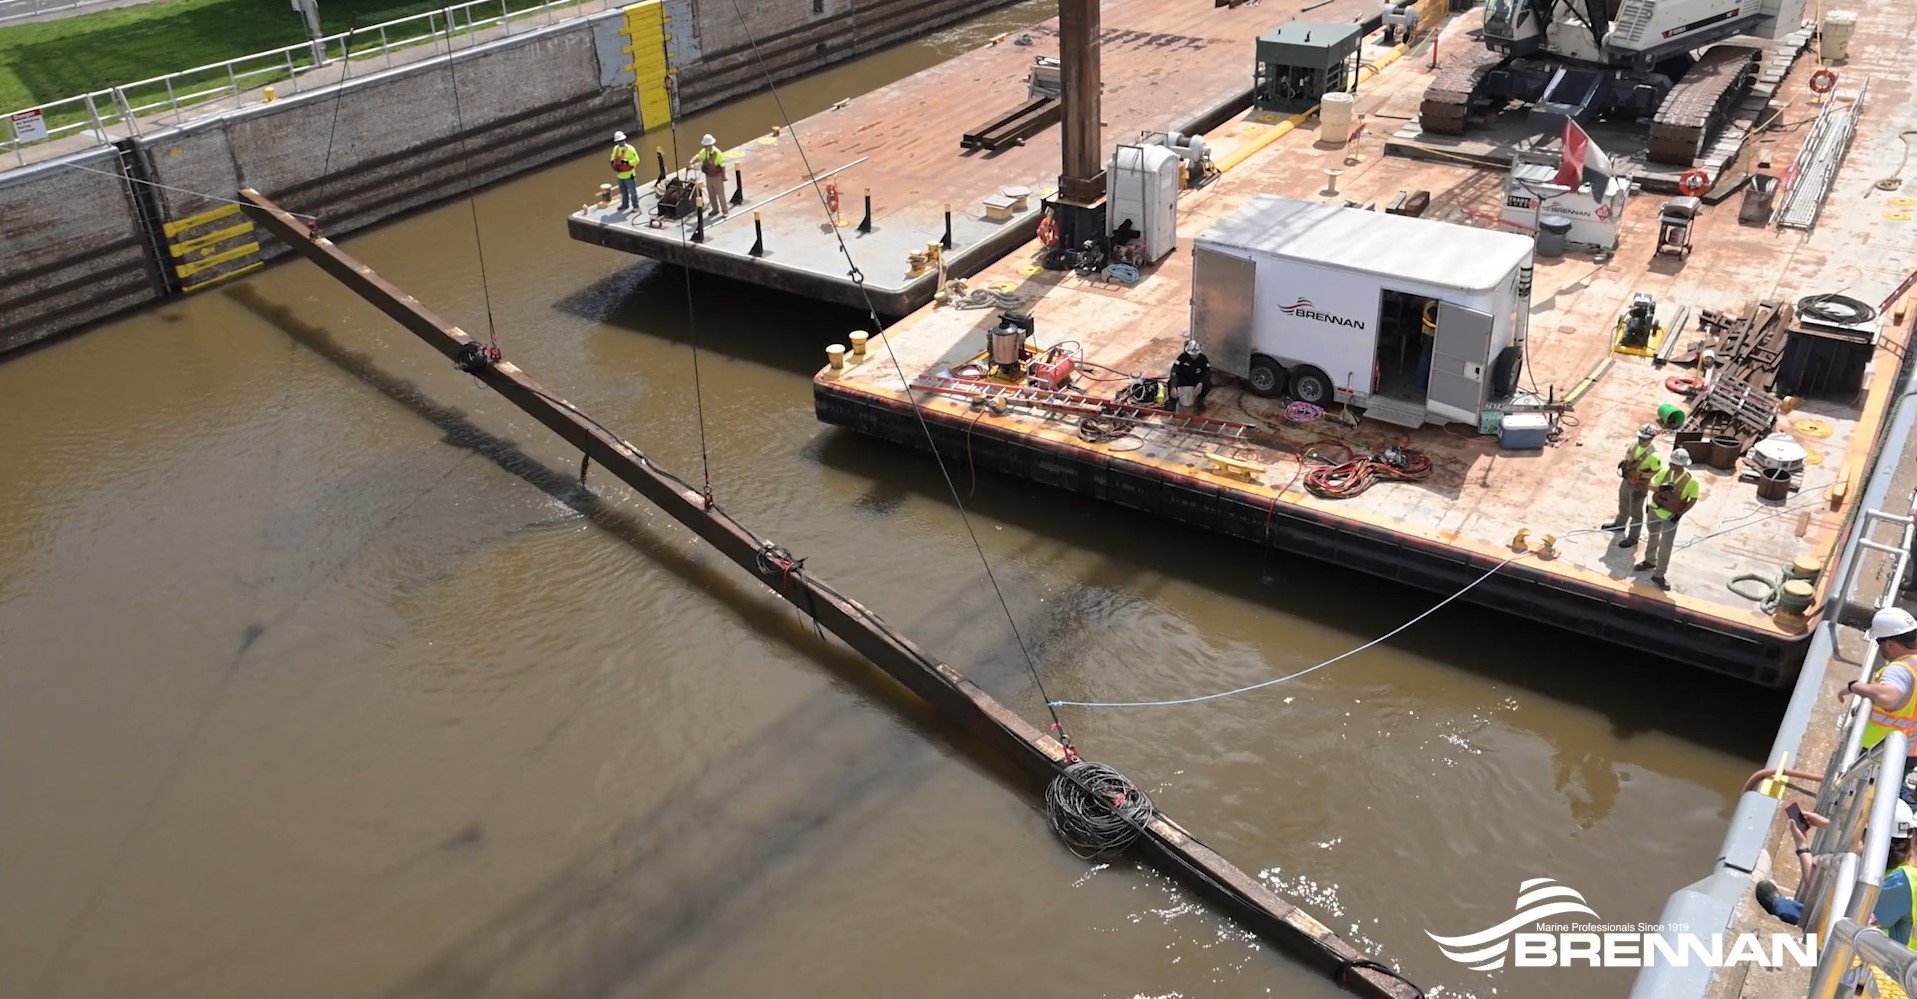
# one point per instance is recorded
(1333, 304)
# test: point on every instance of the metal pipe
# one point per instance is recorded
(802, 185)
(1079, 134)
(1038, 755)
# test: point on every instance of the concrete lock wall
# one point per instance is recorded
(77, 247)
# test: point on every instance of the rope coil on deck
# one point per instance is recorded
(1096, 810)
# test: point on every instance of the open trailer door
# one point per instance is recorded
(1458, 360)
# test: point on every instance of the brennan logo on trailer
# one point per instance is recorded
(1303, 309)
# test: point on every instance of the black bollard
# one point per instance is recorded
(738, 186)
(661, 152)
(865, 225)
(758, 236)
(947, 241)
(698, 223)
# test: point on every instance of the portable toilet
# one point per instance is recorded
(1141, 187)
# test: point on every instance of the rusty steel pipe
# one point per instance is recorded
(1041, 757)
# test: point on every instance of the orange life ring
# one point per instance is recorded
(1822, 81)
(832, 199)
(1684, 385)
(1693, 183)
(1048, 232)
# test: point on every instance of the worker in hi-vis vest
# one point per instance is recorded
(1674, 491)
(1634, 474)
(1896, 908)
(711, 159)
(625, 165)
(1890, 689)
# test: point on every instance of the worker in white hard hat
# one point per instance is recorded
(625, 166)
(1634, 471)
(1896, 909)
(1891, 688)
(712, 161)
(1674, 491)
(1190, 377)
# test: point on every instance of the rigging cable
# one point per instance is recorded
(1427, 612)
(858, 279)
(692, 318)
(339, 93)
(472, 197)
(183, 190)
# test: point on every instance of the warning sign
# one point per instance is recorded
(29, 125)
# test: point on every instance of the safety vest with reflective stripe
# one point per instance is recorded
(1910, 883)
(1903, 719)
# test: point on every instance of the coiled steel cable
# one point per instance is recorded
(1096, 810)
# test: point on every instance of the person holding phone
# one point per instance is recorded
(1896, 910)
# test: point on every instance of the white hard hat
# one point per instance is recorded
(1681, 458)
(1891, 622)
(618, 136)
(1903, 822)
(1647, 431)
(1192, 347)
(708, 140)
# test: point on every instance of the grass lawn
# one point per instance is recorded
(55, 59)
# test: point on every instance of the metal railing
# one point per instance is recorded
(1876, 949)
(1850, 738)
(18, 10)
(1846, 879)
(155, 99)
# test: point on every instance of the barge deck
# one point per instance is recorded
(1167, 67)
(1443, 533)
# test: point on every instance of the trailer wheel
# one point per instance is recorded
(1310, 385)
(1267, 378)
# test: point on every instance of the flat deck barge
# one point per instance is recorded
(1181, 67)
(1442, 533)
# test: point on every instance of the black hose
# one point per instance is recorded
(1840, 310)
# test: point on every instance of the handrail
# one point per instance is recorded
(1876, 949)
(122, 105)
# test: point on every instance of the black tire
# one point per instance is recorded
(1267, 378)
(1504, 371)
(1310, 385)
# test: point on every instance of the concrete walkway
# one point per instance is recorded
(308, 81)
(15, 12)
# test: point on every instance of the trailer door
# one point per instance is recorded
(1223, 290)
(1458, 360)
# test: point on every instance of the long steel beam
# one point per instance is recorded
(1171, 847)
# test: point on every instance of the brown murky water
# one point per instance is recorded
(319, 677)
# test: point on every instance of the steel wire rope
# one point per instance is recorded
(858, 279)
(692, 319)
(183, 190)
(472, 196)
(1427, 612)
(339, 93)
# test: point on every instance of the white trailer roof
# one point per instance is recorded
(1388, 246)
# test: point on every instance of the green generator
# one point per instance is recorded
(1302, 62)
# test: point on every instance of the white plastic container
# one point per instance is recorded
(1833, 38)
(1335, 114)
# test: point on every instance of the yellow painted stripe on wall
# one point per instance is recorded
(651, 67)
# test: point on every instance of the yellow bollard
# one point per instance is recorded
(858, 339)
(835, 356)
(271, 95)
(1549, 547)
(1522, 540)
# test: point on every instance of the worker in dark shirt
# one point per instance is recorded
(1190, 377)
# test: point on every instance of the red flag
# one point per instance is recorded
(1571, 156)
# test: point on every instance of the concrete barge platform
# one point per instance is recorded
(1447, 531)
(1182, 67)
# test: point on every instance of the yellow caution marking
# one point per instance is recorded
(1897, 216)
(651, 61)
(188, 289)
(195, 221)
(189, 269)
(186, 246)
